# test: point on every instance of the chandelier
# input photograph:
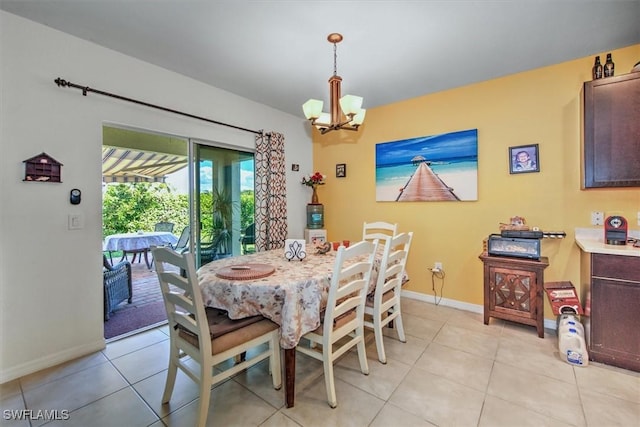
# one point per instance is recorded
(347, 115)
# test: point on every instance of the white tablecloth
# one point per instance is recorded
(138, 241)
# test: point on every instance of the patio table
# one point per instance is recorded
(138, 243)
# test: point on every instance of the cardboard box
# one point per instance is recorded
(315, 235)
(562, 295)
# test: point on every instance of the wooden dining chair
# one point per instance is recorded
(342, 326)
(208, 336)
(383, 306)
(379, 230)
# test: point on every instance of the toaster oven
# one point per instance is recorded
(513, 247)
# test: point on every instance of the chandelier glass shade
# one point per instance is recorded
(345, 112)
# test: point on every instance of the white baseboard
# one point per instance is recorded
(474, 308)
(50, 360)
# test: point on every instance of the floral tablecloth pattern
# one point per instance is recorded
(292, 296)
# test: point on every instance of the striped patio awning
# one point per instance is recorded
(127, 165)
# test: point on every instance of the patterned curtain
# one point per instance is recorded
(270, 196)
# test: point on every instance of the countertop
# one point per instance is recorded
(592, 240)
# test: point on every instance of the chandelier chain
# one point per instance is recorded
(335, 59)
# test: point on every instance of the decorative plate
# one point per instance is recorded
(245, 271)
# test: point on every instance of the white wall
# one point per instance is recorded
(50, 277)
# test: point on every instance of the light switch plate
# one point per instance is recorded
(76, 221)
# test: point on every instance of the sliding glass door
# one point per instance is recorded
(211, 196)
(223, 201)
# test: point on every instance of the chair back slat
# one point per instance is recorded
(349, 283)
(348, 296)
(380, 230)
(180, 301)
(173, 278)
(397, 255)
(394, 275)
(189, 303)
(393, 263)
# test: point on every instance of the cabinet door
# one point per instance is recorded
(616, 267)
(615, 322)
(612, 132)
(513, 291)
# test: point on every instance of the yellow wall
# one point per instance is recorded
(542, 107)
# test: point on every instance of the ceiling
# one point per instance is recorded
(276, 52)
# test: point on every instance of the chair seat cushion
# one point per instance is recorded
(220, 323)
(227, 333)
(242, 335)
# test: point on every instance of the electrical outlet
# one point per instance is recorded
(437, 266)
(638, 217)
(597, 218)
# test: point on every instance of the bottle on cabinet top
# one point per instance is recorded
(609, 66)
(597, 68)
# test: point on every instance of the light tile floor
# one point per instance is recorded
(452, 371)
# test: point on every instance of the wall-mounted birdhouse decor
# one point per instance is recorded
(42, 168)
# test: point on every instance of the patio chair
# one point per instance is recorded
(248, 238)
(216, 249)
(164, 226)
(183, 242)
(182, 245)
(110, 256)
(117, 284)
(208, 335)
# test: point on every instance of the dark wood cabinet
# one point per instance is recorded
(513, 290)
(614, 336)
(611, 135)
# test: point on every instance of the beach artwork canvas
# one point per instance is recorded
(429, 168)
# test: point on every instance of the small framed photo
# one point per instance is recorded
(524, 159)
(341, 170)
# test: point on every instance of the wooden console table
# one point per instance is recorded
(513, 289)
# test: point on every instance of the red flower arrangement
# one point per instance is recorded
(313, 180)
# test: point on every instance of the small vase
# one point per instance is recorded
(314, 196)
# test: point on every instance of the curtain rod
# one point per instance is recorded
(85, 89)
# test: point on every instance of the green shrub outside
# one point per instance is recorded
(127, 208)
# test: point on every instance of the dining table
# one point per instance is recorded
(138, 243)
(292, 295)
